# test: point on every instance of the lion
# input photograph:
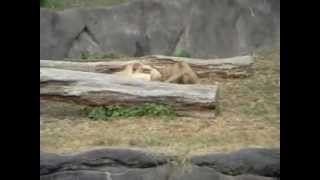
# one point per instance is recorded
(179, 72)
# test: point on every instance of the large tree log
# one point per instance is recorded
(230, 67)
(106, 89)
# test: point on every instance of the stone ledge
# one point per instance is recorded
(110, 163)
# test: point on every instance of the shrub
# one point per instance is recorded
(181, 53)
(116, 111)
(84, 55)
(52, 4)
(87, 55)
(43, 3)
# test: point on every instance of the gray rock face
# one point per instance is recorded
(84, 43)
(58, 31)
(206, 28)
(263, 162)
(128, 164)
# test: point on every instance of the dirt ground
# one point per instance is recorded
(249, 117)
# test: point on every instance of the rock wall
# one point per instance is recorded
(129, 164)
(204, 28)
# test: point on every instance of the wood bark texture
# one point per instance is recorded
(96, 89)
(236, 67)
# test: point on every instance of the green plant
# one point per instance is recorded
(110, 55)
(87, 55)
(43, 3)
(116, 111)
(53, 4)
(181, 53)
(97, 113)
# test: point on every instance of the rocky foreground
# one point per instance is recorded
(133, 164)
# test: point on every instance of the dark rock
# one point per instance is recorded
(125, 157)
(263, 162)
(204, 173)
(195, 172)
(99, 159)
(51, 162)
(72, 175)
(158, 173)
(205, 29)
(253, 177)
(129, 164)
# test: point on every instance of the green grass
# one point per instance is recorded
(43, 3)
(117, 111)
(65, 4)
(86, 56)
(181, 53)
(52, 4)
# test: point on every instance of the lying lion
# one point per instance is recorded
(180, 72)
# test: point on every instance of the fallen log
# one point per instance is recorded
(236, 67)
(96, 89)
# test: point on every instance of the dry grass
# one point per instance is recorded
(249, 117)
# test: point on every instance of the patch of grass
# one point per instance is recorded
(111, 56)
(87, 55)
(52, 4)
(181, 53)
(256, 97)
(117, 111)
(43, 3)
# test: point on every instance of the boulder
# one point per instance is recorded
(263, 162)
(132, 164)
